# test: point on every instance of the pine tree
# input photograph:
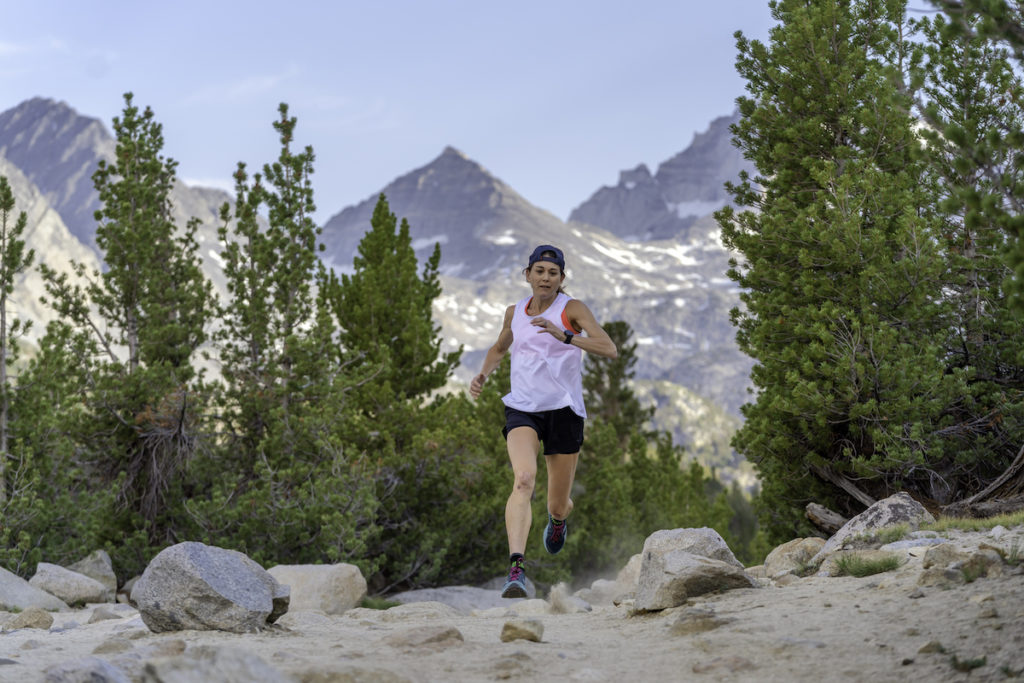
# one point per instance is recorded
(606, 389)
(271, 272)
(14, 260)
(967, 89)
(838, 263)
(136, 328)
(385, 310)
(1001, 23)
(288, 483)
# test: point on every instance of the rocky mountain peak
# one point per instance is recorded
(638, 176)
(698, 173)
(453, 201)
(56, 147)
(686, 187)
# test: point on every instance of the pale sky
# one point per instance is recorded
(554, 98)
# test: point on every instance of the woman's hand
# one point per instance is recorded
(477, 385)
(546, 325)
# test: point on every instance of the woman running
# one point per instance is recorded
(546, 333)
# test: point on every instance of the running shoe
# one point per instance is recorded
(515, 587)
(554, 535)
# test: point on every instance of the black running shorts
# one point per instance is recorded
(560, 430)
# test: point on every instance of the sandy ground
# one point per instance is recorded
(878, 628)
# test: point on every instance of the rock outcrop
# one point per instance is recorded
(18, 594)
(329, 588)
(682, 563)
(71, 587)
(899, 508)
(195, 586)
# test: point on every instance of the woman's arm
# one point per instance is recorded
(597, 340)
(494, 354)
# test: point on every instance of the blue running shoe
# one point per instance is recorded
(554, 535)
(515, 587)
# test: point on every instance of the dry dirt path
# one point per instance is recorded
(815, 629)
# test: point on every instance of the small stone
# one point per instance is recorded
(103, 613)
(931, 646)
(981, 597)
(907, 661)
(431, 635)
(33, 617)
(912, 632)
(696, 620)
(730, 664)
(988, 613)
(522, 629)
(113, 646)
(915, 594)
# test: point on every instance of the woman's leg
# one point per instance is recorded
(561, 473)
(523, 446)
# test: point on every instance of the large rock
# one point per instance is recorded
(195, 586)
(792, 555)
(896, 509)
(18, 594)
(71, 587)
(681, 563)
(704, 542)
(330, 588)
(98, 566)
(668, 578)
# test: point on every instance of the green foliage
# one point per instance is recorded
(855, 565)
(606, 385)
(128, 335)
(285, 481)
(442, 479)
(14, 260)
(1008, 520)
(891, 534)
(384, 309)
(885, 357)
(56, 512)
(370, 602)
(966, 89)
(153, 292)
(992, 26)
(967, 665)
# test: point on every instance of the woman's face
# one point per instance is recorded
(545, 278)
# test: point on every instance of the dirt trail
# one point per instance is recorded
(879, 628)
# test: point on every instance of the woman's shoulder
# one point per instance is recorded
(573, 303)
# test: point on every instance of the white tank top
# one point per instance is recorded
(546, 373)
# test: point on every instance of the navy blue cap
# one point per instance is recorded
(539, 255)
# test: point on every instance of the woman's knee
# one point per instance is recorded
(525, 482)
(560, 509)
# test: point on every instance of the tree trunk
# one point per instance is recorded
(825, 519)
(1005, 494)
(845, 484)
